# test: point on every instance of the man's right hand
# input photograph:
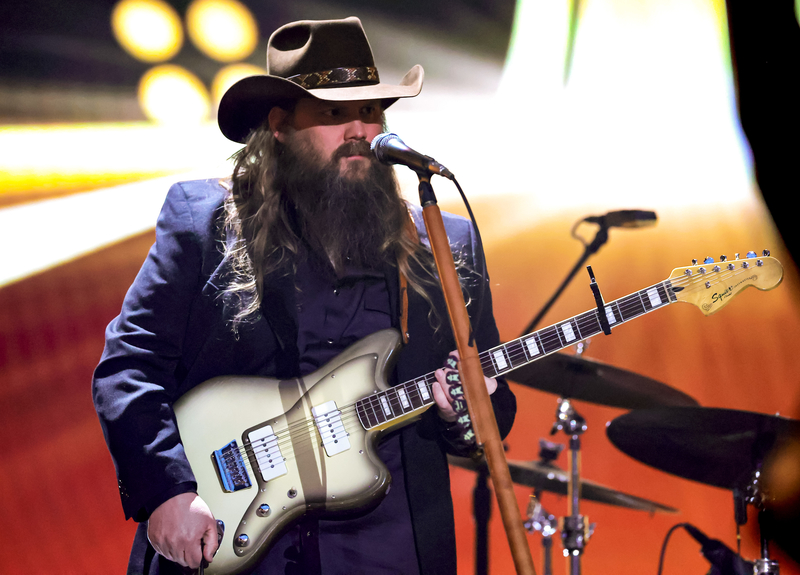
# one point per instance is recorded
(177, 527)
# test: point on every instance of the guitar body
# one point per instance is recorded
(241, 409)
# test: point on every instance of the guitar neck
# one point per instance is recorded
(533, 346)
(386, 408)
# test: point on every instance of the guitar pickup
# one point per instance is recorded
(267, 452)
(328, 419)
(231, 468)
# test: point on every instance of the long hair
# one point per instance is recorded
(258, 214)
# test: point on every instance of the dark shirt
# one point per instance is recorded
(332, 314)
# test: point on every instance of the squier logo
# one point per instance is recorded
(720, 297)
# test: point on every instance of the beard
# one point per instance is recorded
(351, 215)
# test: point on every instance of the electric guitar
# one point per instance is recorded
(266, 452)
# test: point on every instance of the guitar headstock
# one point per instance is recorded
(711, 285)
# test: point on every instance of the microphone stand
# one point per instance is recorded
(477, 397)
(589, 250)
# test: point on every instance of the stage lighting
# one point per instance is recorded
(170, 94)
(150, 30)
(229, 75)
(224, 30)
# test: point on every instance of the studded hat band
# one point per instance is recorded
(336, 77)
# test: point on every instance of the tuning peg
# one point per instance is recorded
(737, 255)
(708, 260)
(716, 268)
(723, 258)
(766, 253)
(694, 262)
(751, 254)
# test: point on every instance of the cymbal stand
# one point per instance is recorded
(546, 524)
(753, 494)
(764, 565)
(538, 518)
(573, 533)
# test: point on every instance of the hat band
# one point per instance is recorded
(336, 77)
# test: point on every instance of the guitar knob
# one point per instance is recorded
(708, 260)
(242, 541)
(263, 510)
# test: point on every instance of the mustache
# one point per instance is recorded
(354, 148)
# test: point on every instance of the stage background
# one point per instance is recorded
(644, 117)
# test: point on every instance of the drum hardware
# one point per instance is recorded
(720, 447)
(539, 520)
(574, 533)
(753, 494)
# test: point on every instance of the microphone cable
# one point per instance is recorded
(484, 276)
(664, 546)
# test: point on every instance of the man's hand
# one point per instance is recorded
(178, 525)
(442, 398)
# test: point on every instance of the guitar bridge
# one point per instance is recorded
(231, 468)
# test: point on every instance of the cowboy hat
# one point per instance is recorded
(323, 59)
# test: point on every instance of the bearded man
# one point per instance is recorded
(305, 250)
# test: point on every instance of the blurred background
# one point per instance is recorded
(548, 111)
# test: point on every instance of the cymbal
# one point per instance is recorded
(588, 380)
(719, 447)
(549, 477)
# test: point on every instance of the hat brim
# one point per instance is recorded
(246, 104)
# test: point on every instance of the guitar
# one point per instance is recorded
(266, 452)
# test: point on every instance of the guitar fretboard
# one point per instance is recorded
(410, 397)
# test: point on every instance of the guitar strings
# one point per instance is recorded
(284, 438)
(287, 439)
(348, 413)
(585, 320)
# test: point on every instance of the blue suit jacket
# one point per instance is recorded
(173, 333)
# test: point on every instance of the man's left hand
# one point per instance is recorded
(442, 398)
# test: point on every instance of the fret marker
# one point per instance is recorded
(500, 359)
(533, 349)
(655, 299)
(385, 405)
(423, 390)
(401, 393)
(568, 333)
(610, 315)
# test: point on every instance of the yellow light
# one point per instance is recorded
(229, 75)
(150, 30)
(170, 94)
(222, 29)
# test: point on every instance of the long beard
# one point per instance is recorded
(352, 218)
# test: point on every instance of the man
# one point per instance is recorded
(308, 249)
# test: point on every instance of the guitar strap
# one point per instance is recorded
(411, 232)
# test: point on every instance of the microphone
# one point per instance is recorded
(624, 219)
(390, 149)
(722, 558)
